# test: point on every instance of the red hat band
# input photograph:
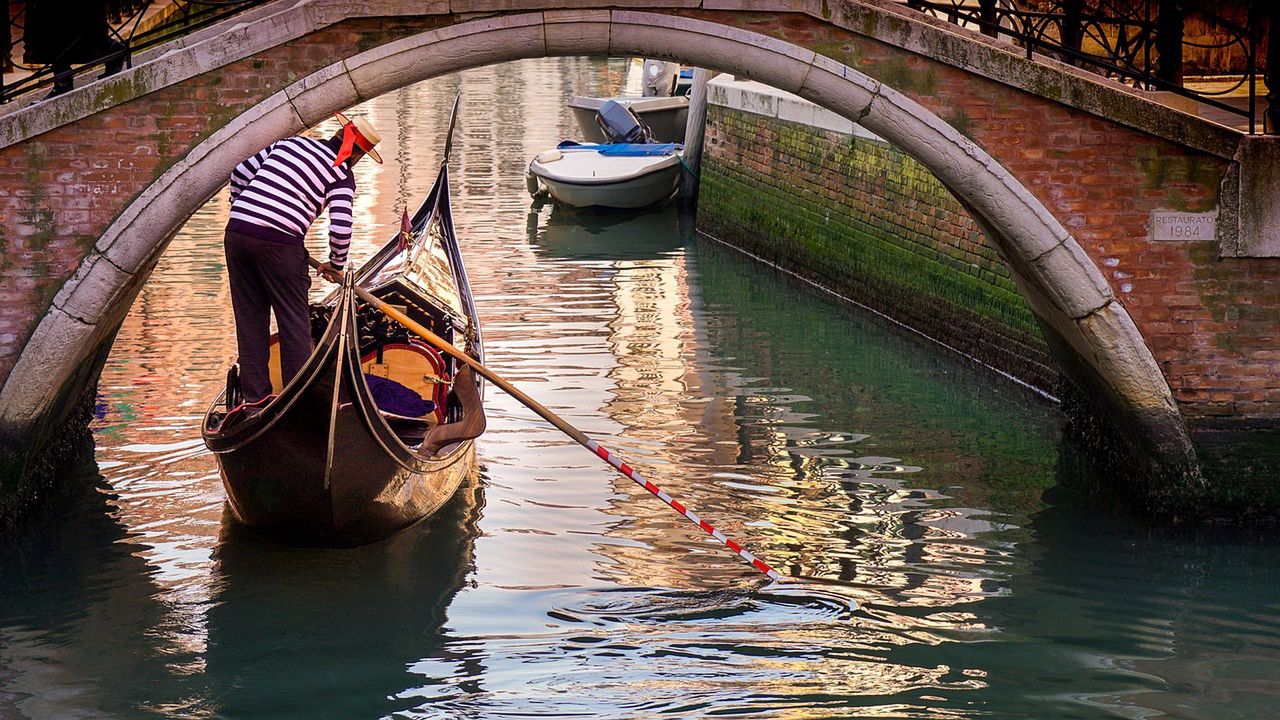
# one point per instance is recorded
(351, 137)
(362, 142)
(356, 133)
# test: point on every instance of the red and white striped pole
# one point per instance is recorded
(569, 430)
(632, 473)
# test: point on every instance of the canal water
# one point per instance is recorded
(835, 446)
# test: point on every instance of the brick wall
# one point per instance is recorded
(860, 217)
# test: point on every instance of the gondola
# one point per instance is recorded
(376, 431)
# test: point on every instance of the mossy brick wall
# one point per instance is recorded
(1212, 323)
(860, 217)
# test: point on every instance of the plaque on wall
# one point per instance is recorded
(1172, 226)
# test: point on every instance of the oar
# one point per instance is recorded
(595, 447)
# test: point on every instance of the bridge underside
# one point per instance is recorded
(172, 129)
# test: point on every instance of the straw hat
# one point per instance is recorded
(365, 136)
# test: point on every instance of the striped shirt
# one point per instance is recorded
(279, 192)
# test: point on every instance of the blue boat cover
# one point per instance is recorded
(634, 150)
(625, 149)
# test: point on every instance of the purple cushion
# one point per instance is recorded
(390, 396)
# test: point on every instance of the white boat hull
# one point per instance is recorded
(640, 186)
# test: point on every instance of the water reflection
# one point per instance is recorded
(83, 628)
(343, 624)
(594, 234)
(1141, 622)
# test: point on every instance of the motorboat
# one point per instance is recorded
(665, 116)
(613, 176)
(628, 171)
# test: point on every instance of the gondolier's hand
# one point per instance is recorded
(329, 272)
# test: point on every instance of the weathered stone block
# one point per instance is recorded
(91, 290)
(1084, 290)
(838, 88)
(577, 32)
(316, 96)
(1259, 206)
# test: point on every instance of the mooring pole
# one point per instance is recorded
(693, 132)
(1272, 73)
(6, 44)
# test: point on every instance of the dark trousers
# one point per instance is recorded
(268, 276)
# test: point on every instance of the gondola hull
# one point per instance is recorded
(283, 480)
(293, 506)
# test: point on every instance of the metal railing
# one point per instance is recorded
(1139, 42)
(125, 35)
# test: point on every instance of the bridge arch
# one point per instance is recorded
(1089, 331)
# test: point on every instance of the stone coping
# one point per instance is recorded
(759, 99)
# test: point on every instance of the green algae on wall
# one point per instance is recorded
(860, 218)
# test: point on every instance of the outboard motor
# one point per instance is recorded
(620, 124)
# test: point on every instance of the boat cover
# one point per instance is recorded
(625, 149)
(639, 150)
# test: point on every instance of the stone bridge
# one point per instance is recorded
(1143, 238)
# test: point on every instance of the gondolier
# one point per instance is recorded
(377, 431)
(275, 197)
